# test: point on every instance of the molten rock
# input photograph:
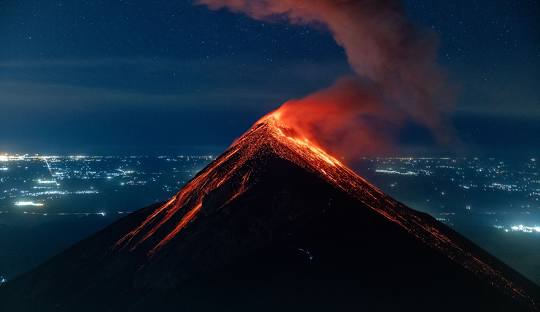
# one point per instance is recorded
(274, 223)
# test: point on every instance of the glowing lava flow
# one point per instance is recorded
(189, 198)
(269, 136)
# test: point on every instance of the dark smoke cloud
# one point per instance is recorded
(395, 64)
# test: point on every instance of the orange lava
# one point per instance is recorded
(271, 135)
(185, 220)
(268, 132)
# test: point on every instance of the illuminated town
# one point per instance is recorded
(464, 193)
(500, 193)
(35, 184)
(442, 187)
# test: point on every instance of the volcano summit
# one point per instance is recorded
(274, 223)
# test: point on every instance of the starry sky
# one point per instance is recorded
(134, 76)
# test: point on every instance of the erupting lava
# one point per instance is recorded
(348, 119)
(272, 137)
(238, 225)
(268, 132)
(292, 134)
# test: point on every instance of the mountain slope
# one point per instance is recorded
(273, 223)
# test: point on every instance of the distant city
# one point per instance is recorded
(34, 184)
(494, 202)
(505, 192)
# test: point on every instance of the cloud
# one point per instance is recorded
(21, 95)
(113, 83)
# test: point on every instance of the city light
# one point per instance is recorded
(7, 157)
(409, 173)
(39, 181)
(525, 229)
(28, 203)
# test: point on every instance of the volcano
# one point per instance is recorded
(273, 223)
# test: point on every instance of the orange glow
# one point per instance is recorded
(289, 142)
(347, 119)
(190, 196)
(185, 220)
(269, 131)
(273, 135)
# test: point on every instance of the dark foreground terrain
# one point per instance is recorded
(273, 224)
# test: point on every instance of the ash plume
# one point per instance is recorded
(396, 77)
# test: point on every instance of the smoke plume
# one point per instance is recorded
(396, 76)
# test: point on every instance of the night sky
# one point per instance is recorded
(166, 76)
